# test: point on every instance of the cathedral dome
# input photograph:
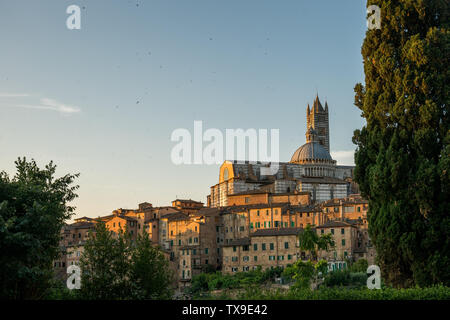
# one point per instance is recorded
(311, 151)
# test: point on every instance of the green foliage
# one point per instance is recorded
(117, 268)
(311, 242)
(429, 293)
(104, 266)
(345, 278)
(360, 265)
(403, 152)
(150, 272)
(204, 282)
(33, 208)
(303, 274)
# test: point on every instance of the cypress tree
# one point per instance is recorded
(403, 152)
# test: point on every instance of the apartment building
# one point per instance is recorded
(268, 248)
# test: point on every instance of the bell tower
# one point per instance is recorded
(317, 119)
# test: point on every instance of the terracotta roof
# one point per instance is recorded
(207, 212)
(238, 242)
(335, 224)
(176, 216)
(80, 225)
(276, 232)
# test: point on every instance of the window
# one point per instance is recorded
(251, 225)
(267, 212)
(245, 248)
(286, 245)
(255, 247)
(263, 246)
(257, 213)
(276, 224)
(276, 211)
(179, 242)
(358, 209)
(246, 258)
(321, 231)
(206, 250)
(332, 231)
(271, 246)
(190, 240)
(206, 261)
(292, 224)
(289, 257)
(342, 231)
(280, 257)
(234, 269)
(255, 258)
(272, 258)
(217, 229)
(234, 259)
(241, 228)
(343, 242)
(234, 248)
(194, 251)
(247, 199)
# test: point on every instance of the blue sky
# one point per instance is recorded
(104, 100)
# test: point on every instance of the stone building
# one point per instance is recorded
(311, 169)
(267, 248)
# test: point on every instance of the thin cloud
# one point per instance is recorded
(344, 157)
(52, 105)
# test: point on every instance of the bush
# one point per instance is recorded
(430, 293)
(359, 266)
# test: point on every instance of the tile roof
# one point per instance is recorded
(335, 224)
(238, 242)
(276, 232)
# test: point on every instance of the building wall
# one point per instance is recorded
(241, 258)
(342, 250)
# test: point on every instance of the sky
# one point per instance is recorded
(104, 100)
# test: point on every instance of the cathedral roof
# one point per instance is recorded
(311, 151)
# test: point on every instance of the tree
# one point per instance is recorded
(33, 208)
(403, 151)
(150, 271)
(309, 241)
(105, 266)
(116, 268)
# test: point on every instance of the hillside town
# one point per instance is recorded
(250, 220)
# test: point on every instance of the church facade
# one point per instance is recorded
(311, 169)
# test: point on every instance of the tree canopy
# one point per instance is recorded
(33, 207)
(403, 152)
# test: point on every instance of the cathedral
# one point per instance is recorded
(311, 169)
